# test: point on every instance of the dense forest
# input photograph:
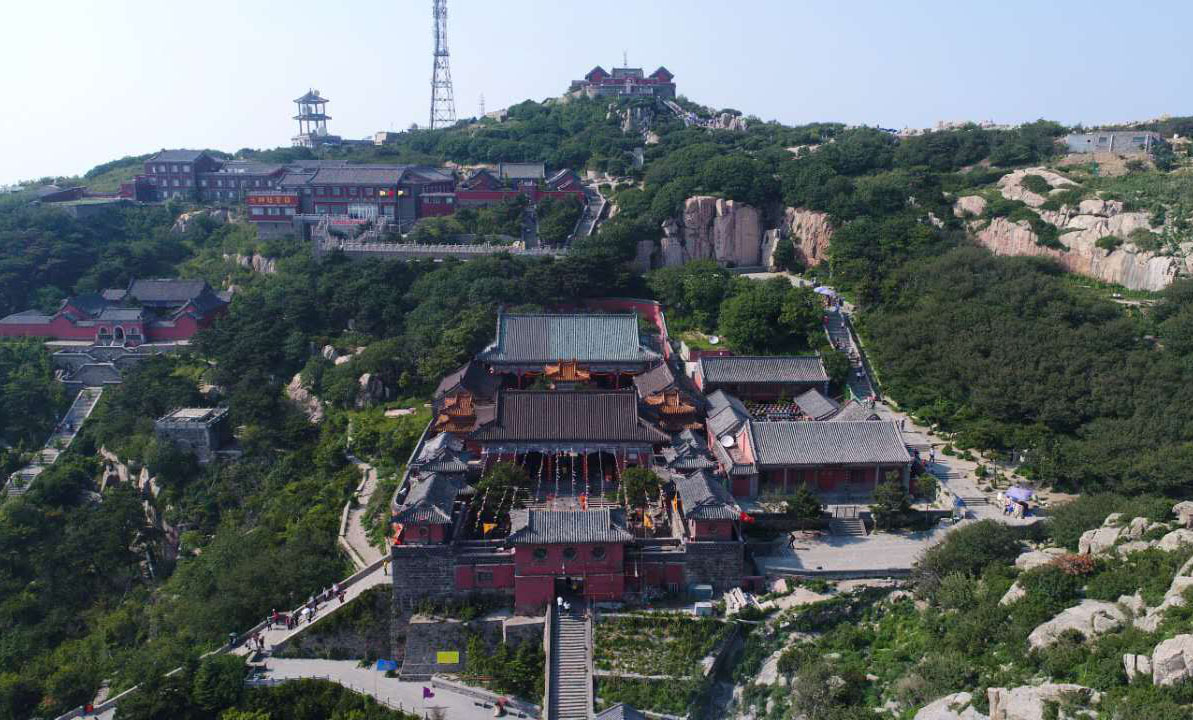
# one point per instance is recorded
(1008, 353)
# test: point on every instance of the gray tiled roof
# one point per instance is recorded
(551, 338)
(620, 711)
(536, 527)
(472, 377)
(754, 369)
(854, 411)
(705, 498)
(171, 291)
(121, 314)
(657, 379)
(441, 454)
(688, 452)
(31, 317)
(429, 500)
(725, 413)
(569, 416)
(360, 175)
(95, 375)
(810, 443)
(295, 179)
(815, 405)
(177, 156)
(90, 303)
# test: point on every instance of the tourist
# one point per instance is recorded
(342, 594)
(273, 618)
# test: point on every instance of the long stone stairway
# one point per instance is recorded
(571, 670)
(62, 437)
(838, 332)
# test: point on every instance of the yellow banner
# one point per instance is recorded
(488, 527)
(448, 657)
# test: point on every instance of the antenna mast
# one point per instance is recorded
(443, 103)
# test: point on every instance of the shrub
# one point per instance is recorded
(1035, 184)
(1109, 243)
(966, 550)
(956, 591)
(1068, 521)
(1146, 240)
(1051, 585)
(891, 501)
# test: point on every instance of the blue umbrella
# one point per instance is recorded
(1020, 494)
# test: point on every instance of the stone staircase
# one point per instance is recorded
(854, 527)
(842, 339)
(62, 437)
(571, 668)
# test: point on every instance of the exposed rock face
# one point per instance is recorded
(1013, 594)
(811, 232)
(1172, 660)
(1184, 513)
(1137, 528)
(1097, 542)
(728, 121)
(329, 353)
(1176, 538)
(1027, 702)
(1137, 666)
(1011, 187)
(1124, 266)
(255, 262)
(185, 220)
(372, 391)
(958, 706)
(1091, 618)
(713, 229)
(1038, 558)
(969, 205)
(304, 399)
(1082, 226)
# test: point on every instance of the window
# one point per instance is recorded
(352, 191)
(569, 553)
(336, 191)
(423, 531)
(484, 576)
(173, 168)
(186, 168)
(203, 183)
(188, 182)
(290, 211)
(306, 191)
(598, 552)
(256, 183)
(258, 211)
(177, 183)
(540, 553)
(161, 168)
(369, 192)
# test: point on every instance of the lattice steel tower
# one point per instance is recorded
(443, 104)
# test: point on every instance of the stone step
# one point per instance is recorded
(847, 526)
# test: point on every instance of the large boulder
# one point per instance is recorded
(372, 391)
(1099, 541)
(306, 401)
(1175, 539)
(1184, 513)
(1014, 594)
(969, 205)
(1028, 702)
(1137, 666)
(1137, 528)
(1038, 558)
(1134, 546)
(184, 221)
(1172, 660)
(958, 706)
(1091, 618)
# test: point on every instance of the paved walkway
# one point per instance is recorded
(276, 635)
(363, 553)
(398, 694)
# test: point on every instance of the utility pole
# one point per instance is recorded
(482, 108)
(443, 103)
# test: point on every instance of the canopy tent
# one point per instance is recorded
(827, 291)
(1020, 494)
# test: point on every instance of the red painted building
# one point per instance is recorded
(573, 552)
(147, 311)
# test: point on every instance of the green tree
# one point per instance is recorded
(891, 502)
(803, 504)
(640, 485)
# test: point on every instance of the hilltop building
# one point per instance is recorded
(157, 310)
(196, 430)
(312, 120)
(624, 82)
(1113, 141)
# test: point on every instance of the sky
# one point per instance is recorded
(89, 81)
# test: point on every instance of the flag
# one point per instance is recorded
(427, 694)
(583, 501)
(745, 518)
(488, 527)
(384, 665)
(647, 521)
(675, 503)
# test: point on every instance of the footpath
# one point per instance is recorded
(353, 538)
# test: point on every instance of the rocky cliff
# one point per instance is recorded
(811, 232)
(712, 228)
(1081, 227)
(255, 262)
(735, 235)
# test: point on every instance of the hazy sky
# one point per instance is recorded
(86, 82)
